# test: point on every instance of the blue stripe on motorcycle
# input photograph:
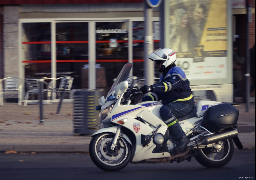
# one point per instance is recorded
(124, 113)
(151, 104)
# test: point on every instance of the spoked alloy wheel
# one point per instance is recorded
(216, 156)
(105, 158)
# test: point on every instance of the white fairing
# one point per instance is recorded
(148, 111)
(202, 106)
(189, 124)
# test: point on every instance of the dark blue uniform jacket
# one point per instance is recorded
(173, 87)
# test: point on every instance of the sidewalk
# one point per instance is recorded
(20, 129)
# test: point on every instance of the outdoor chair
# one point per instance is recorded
(62, 85)
(51, 89)
(11, 85)
(32, 86)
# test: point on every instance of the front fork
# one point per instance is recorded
(118, 131)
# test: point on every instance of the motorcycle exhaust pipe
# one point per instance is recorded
(218, 137)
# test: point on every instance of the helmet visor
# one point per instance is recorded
(154, 57)
(159, 62)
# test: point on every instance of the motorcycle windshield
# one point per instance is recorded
(122, 76)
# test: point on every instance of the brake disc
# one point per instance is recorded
(104, 150)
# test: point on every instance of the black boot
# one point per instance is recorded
(178, 135)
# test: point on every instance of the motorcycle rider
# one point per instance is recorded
(174, 91)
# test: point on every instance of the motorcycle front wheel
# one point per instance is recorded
(105, 158)
(216, 156)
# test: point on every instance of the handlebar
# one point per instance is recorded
(132, 94)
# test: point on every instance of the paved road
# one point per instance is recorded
(53, 166)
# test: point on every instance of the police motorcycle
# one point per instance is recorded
(134, 132)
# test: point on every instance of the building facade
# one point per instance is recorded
(58, 38)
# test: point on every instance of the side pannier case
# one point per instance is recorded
(220, 117)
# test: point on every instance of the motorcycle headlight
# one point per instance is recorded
(105, 112)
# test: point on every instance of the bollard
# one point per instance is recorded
(62, 94)
(41, 81)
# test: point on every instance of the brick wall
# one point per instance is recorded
(252, 28)
(252, 31)
(241, 31)
(1, 44)
(10, 41)
(66, 1)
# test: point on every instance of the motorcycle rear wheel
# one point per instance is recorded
(216, 156)
(105, 158)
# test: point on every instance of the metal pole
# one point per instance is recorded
(92, 56)
(148, 45)
(130, 47)
(41, 101)
(1, 93)
(53, 58)
(164, 24)
(62, 94)
(247, 75)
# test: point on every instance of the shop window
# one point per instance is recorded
(36, 49)
(111, 51)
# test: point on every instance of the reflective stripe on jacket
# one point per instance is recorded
(173, 87)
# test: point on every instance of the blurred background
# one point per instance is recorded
(50, 38)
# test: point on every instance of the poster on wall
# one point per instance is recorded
(198, 35)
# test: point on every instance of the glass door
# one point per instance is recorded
(111, 52)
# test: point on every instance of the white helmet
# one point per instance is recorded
(165, 56)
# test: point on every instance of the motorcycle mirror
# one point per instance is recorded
(102, 100)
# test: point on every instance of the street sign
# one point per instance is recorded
(154, 3)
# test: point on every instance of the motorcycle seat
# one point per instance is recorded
(190, 115)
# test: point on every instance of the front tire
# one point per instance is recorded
(216, 156)
(105, 158)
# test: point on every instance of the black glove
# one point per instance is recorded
(145, 89)
(135, 91)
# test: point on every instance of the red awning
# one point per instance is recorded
(66, 1)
